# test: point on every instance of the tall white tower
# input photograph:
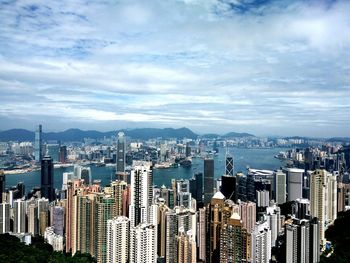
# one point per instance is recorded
(118, 239)
(141, 194)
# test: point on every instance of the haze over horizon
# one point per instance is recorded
(262, 67)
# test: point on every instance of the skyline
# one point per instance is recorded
(262, 67)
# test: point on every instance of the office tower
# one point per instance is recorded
(186, 247)
(280, 187)
(33, 219)
(47, 173)
(208, 180)
(118, 240)
(302, 241)
(199, 189)
(53, 150)
(234, 241)
(273, 217)
(261, 243)
(56, 241)
(229, 187)
(201, 235)
(19, 213)
(4, 218)
(219, 212)
(143, 244)
(229, 168)
(302, 208)
(63, 154)
(262, 198)
(295, 183)
(141, 194)
(323, 200)
(21, 190)
(241, 187)
(38, 144)
(58, 220)
(121, 147)
(2, 184)
(250, 187)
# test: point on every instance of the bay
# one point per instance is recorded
(257, 158)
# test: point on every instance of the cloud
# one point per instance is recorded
(216, 65)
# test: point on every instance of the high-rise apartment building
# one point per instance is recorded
(143, 243)
(141, 194)
(323, 199)
(235, 244)
(118, 231)
(261, 243)
(4, 218)
(19, 213)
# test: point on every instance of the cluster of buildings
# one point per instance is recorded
(235, 218)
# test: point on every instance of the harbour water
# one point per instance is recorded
(254, 158)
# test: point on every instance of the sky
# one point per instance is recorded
(261, 66)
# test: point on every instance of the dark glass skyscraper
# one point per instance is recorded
(229, 166)
(229, 187)
(47, 189)
(208, 180)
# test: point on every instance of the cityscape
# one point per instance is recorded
(174, 131)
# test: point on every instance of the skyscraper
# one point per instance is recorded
(280, 187)
(229, 187)
(261, 243)
(323, 200)
(4, 218)
(186, 247)
(234, 241)
(47, 173)
(295, 183)
(118, 240)
(141, 194)
(2, 184)
(229, 168)
(121, 153)
(302, 241)
(208, 180)
(38, 144)
(143, 244)
(19, 213)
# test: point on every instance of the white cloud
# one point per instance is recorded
(210, 65)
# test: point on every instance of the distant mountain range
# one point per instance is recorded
(140, 133)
